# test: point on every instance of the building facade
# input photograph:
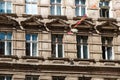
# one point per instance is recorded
(35, 43)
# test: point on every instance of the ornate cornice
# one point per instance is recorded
(8, 20)
(58, 25)
(33, 22)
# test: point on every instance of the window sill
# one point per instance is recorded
(10, 14)
(114, 61)
(54, 58)
(9, 56)
(89, 60)
(32, 57)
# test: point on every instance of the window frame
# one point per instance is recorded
(5, 6)
(80, 6)
(5, 76)
(31, 77)
(105, 45)
(58, 78)
(5, 41)
(104, 8)
(31, 10)
(55, 44)
(80, 46)
(55, 4)
(31, 44)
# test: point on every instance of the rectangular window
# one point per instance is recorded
(104, 8)
(31, 44)
(82, 47)
(5, 77)
(32, 78)
(55, 7)
(57, 45)
(5, 43)
(80, 7)
(107, 52)
(58, 78)
(5, 7)
(31, 7)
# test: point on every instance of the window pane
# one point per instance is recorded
(8, 49)
(103, 52)
(34, 37)
(58, 10)
(8, 78)
(34, 49)
(9, 36)
(2, 36)
(8, 5)
(82, 1)
(27, 49)
(2, 48)
(60, 53)
(85, 52)
(28, 1)
(52, 9)
(52, 1)
(53, 46)
(35, 78)
(34, 8)
(58, 1)
(28, 8)
(34, 1)
(76, 1)
(2, 77)
(109, 53)
(82, 11)
(77, 11)
(78, 51)
(28, 37)
(2, 7)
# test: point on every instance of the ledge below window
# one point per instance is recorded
(115, 61)
(90, 60)
(109, 62)
(32, 57)
(54, 58)
(9, 56)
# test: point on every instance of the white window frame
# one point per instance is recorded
(106, 10)
(5, 44)
(5, 77)
(57, 46)
(81, 49)
(32, 77)
(56, 55)
(80, 5)
(6, 5)
(106, 51)
(31, 44)
(55, 4)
